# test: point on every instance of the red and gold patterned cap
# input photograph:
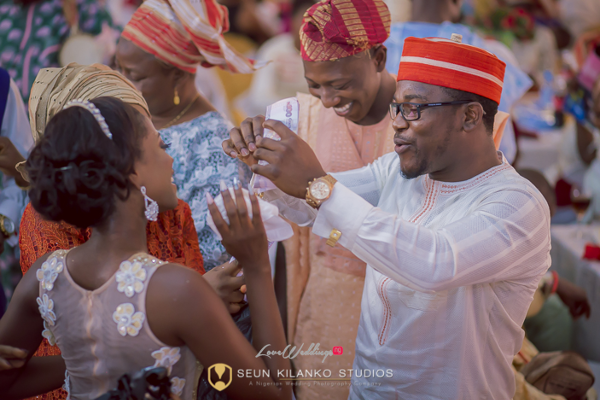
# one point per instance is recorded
(452, 64)
(185, 34)
(334, 29)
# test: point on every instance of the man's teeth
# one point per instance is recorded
(172, 180)
(343, 109)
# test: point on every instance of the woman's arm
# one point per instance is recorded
(40, 375)
(585, 141)
(182, 309)
(21, 327)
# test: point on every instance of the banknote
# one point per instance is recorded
(288, 112)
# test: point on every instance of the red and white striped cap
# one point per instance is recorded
(452, 64)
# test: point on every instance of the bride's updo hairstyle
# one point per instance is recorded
(77, 172)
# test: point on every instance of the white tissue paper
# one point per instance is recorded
(277, 228)
(288, 112)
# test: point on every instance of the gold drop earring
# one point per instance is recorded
(176, 99)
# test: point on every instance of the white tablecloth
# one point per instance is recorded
(539, 153)
(543, 153)
(567, 250)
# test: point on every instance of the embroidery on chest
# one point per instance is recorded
(387, 309)
(432, 191)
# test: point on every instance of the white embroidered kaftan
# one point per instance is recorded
(452, 269)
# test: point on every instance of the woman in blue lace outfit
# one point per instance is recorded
(200, 165)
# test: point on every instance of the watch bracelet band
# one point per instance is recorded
(309, 200)
(330, 179)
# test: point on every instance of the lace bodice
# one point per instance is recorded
(104, 333)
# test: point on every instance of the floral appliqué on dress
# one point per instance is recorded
(177, 386)
(47, 275)
(67, 385)
(128, 321)
(131, 277)
(166, 357)
(48, 335)
(49, 271)
(46, 307)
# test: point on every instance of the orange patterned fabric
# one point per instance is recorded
(172, 238)
(334, 29)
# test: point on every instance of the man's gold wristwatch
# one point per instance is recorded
(319, 190)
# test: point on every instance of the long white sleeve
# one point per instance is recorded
(506, 230)
(366, 182)
(15, 126)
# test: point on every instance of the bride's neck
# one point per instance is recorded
(123, 233)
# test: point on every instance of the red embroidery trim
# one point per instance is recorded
(429, 186)
(387, 310)
(446, 188)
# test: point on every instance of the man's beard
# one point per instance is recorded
(421, 170)
(423, 164)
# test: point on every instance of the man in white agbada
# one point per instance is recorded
(455, 240)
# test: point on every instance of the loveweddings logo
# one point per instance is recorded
(293, 352)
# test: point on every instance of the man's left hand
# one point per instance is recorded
(292, 163)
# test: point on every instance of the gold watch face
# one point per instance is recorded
(320, 190)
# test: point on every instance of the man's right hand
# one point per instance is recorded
(228, 286)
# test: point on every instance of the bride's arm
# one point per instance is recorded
(21, 327)
(183, 309)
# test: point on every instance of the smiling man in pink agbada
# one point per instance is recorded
(345, 120)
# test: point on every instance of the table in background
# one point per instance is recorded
(567, 249)
(541, 153)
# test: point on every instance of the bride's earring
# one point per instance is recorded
(151, 206)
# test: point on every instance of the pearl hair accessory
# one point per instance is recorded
(95, 112)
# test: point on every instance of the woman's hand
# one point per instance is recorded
(574, 297)
(9, 158)
(244, 238)
(292, 164)
(242, 141)
(11, 357)
(228, 286)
